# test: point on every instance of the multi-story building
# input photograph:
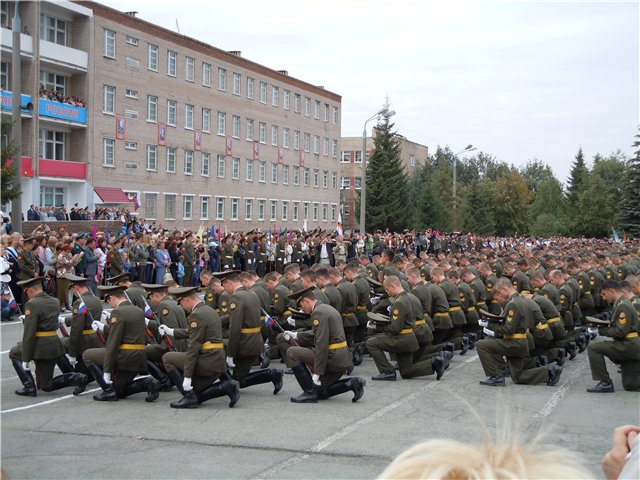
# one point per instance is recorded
(198, 135)
(413, 154)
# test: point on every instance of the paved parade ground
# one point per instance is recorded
(57, 435)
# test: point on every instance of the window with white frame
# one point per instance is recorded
(307, 142)
(248, 208)
(204, 208)
(152, 108)
(52, 144)
(412, 161)
(316, 207)
(285, 137)
(296, 175)
(206, 161)
(130, 145)
(326, 112)
(325, 179)
(334, 148)
(169, 206)
(222, 123)
(325, 212)
(307, 176)
(316, 110)
(316, 144)
(305, 210)
(316, 177)
(235, 205)
(172, 109)
(130, 93)
(296, 211)
(285, 210)
(188, 162)
(188, 116)
(171, 160)
(262, 171)
(250, 83)
(345, 183)
(222, 79)
(150, 205)
(221, 165)
(187, 207)
(297, 99)
(109, 99)
(219, 208)
(274, 172)
(263, 92)
(152, 58)
(109, 49)
(357, 181)
(249, 172)
(285, 174)
(172, 62)
(333, 212)
(54, 30)
(334, 180)
(50, 80)
(250, 129)
(152, 158)
(346, 156)
(274, 135)
(206, 120)
(307, 106)
(235, 130)
(262, 132)
(273, 210)
(285, 99)
(235, 168)
(335, 115)
(206, 74)
(358, 156)
(296, 139)
(261, 208)
(236, 83)
(325, 147)
(109, 146)
(189, 69)
(275, 96)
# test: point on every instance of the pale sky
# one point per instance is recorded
(518, 80)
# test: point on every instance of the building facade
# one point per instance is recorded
(198, 135)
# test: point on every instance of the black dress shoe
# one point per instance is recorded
(603, 387)
(554, 373)
(438, 366)
(493, 382)
(389, 377)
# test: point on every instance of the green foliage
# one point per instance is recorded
(578, 179)
(10, 186)
(629, 208)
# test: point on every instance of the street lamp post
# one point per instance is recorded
(468, 148)
(363, 183)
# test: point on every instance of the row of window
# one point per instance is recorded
(329, 146)
(288, 210)
(325, 110)
(356, 155)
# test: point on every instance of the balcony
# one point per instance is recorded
(54, 168)
(26, 43)
(48, 109)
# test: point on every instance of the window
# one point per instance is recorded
(275, 96)
(50, 80)
(285, 210)
(262, 132)
(333, 212)
(109, 40)
(206, 160)
(334, 148)
(274, 135)
(261, 207)
(54, 30)
(248, 208)
(222, 79)
(236, 83)
(305, 210)
(296, 210)
(188, 116)
(150, 205)
(152, 157)
(306, 177)
(296, 175)
(249, 174)
(153, 58)
(51, 196)
(152, 108)
(262, 171)
(188, 162)
(221, 165)
(235, 168)
(206, 120)
(285, 99)
(358, 158)
(285, 174)
(52, 144)
(171, 112)
(172, 62)
(316, 110)
(307, 106)
(325, 147)
(346, 156)
(171, 160)
(273, 210)
(325, 212)
(334, 180)
(250, 88)
(222, 121)
(129, 93)
(326, 112)
(219, 208)
(412, 161)
(325, 179)
(345, 183)
(315, 211)
(235, 202)
(250, 129)
(235, 131)
(335, 115)
(296, 103)
(169, 206)
(187, 207)
(109, 99)
(357, 183)
(316, 144)
(204, 208)
(263, 92)
(296, 139)
(316, 177)
(206, 74)
(307, 142)
(274, 172)
(285, 137)
(130, 145)
(109, 145)
(4, 75)
(131, 40)
(190, 69)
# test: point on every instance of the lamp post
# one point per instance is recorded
(363, 183)
(468, 148)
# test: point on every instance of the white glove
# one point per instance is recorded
(61, 321)
(483, 323)
(371, 325)
(389, 309)
(488, 333)
(164, 330)
(316, 379)
(375, 300)
(107, 378)
(25, 365)
(72, 360)
(230, 363)
(186, 384)
(249, 262)
(290, 335)
(105, 316)
(146, 322)
(21, 318)
(291, 321)
(97, 326)
(593, 331)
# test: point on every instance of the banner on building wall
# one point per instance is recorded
(301, 158)
(256, 151)
(229, 147)
(280, 155)
(121, 127)
(197, 140)
(162, 134)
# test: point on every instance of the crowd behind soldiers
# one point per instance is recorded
(60, 214)
(317, 302)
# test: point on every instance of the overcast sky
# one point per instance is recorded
(519, 80)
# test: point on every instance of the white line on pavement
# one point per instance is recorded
(4, 351)
(6, 324)
(46, 402)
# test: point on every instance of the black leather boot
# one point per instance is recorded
(562, 356)
(472, 340)
(149, 385)
(448, 346)
(309, 391)
(190, 400)
(108, 391)
(265, 375)
(29, 389)
(438, 366)
(64, 364)
(572, 349)
(231, 388)
(464, 344)
(265, 360)
(77, 380)
(354, 384)
(166, 385)
(177, 379)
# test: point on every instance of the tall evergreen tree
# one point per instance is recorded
(578, 180)
(10, 187)
(386, 182)
(629, 206)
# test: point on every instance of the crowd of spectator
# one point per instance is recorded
(56, 96)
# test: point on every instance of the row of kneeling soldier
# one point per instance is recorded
(409, 315)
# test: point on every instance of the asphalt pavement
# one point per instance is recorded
(57, 435)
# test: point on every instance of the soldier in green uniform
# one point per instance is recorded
(188, 252)
(262, 256)
(114, 257)
(27, 261)
(227, 253)
(468, 304)
(553, 352)
(461, 342)
(372, 270)
(167, 312)
(348, 303)
(556, 278)
(124, 355)
(281, 253)
(518, 278)
(625, 347)
(40, 344)
(194, 371)
(363, 290)
(585, 299)
(477, 287)
(332, 293)
(490, 280)
(328, 354)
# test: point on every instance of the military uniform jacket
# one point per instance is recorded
(624, 322)
(566, 305)
(280, 303)
(551, 315)
(320, 296)
(480, 292)
(245, 339)
(126, 329)
(189, 254)
(326, 325)
(249, 256)
(421, 291)
(211, 298)
(262, 252)
(520, 282)
(423, 329)
(349, 296)
(516, 322)
(334, 296)
(439, 307)
(41, 315)
(494, 306)
(28, 265)
(468, 301)
(82, 336)
(364, 298)
(116, 264)
(372, 271)
(137, 296)
(455, 307)
(139, 253)
(203, 326)
(551, 292)
(538, 326)
(172, 315)
(400, 329)
(263, 296)
(81, 266)
(227, 256)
